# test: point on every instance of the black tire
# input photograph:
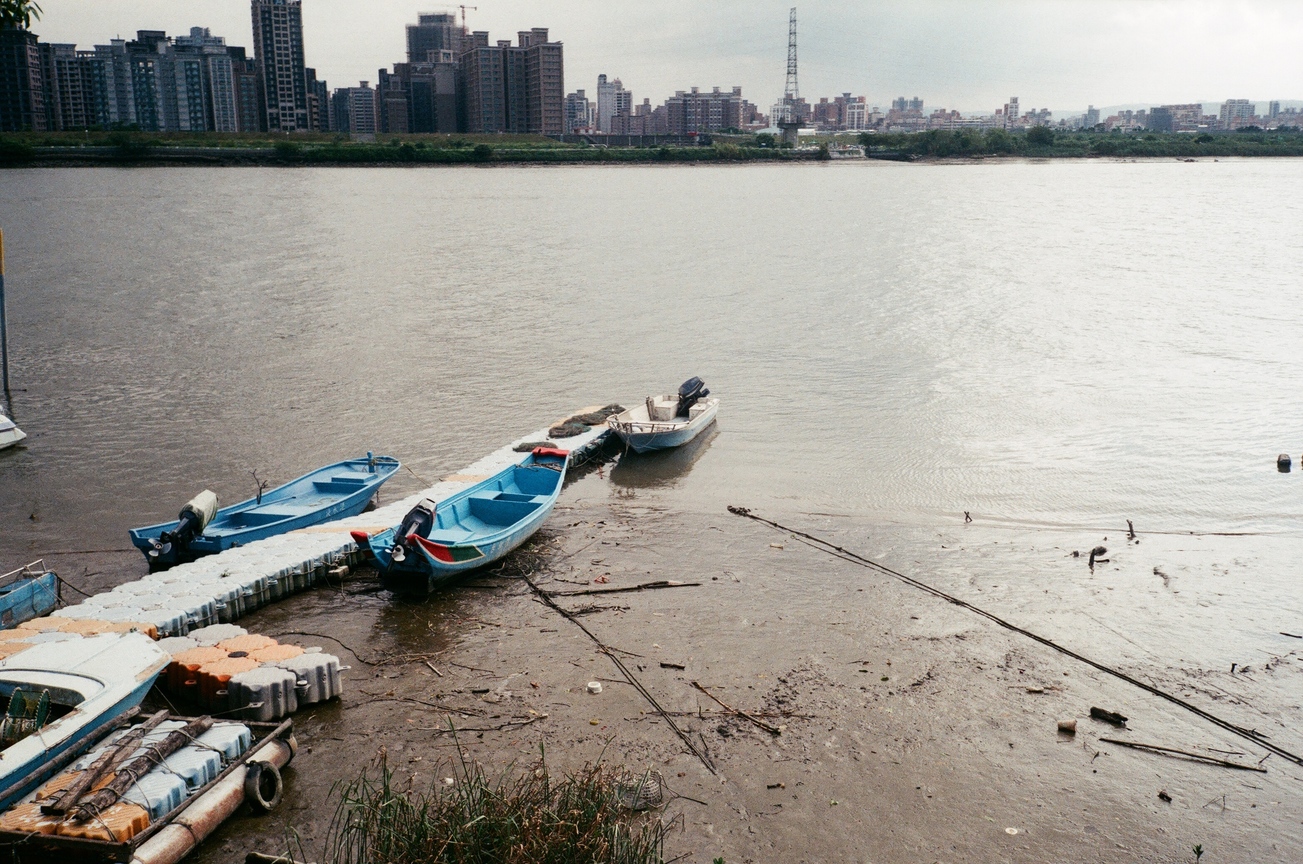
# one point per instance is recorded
(263, 786)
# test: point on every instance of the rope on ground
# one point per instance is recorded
(624, 670)
(846, 555)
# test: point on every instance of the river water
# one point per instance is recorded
(1052, 348)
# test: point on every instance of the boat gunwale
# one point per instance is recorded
(141, 536)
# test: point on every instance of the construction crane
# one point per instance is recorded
(789, 121)
(476, 9)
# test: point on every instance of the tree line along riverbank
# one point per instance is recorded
(90, 148)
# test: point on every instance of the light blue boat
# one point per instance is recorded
(333, 492)
(90, 683)
(32, 593)
(476, 527)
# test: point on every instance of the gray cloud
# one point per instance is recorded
(966, 54)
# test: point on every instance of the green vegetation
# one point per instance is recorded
(18, 14)
(1047, 143)
(144, 148)
(577, 820)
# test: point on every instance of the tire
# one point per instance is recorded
(263, 786)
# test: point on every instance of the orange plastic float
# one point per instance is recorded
(215, 676)
(247, 642)
(276, 653)
(183, 672)
(117, 824)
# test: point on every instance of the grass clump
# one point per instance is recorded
(529, 818)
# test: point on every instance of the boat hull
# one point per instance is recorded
(10, 436)
(109, 674)
(28, 598)
(645, 437)
(429, 561)
(334, 492)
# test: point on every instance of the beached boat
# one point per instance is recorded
(26, 593)
(669, 421)
(475, 527)
(59, 694)
(10, 434)
(333, 492)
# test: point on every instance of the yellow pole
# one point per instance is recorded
(4, 327)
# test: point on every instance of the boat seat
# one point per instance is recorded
(268, 513)
(336, 486)
(496, 511)
(352, 478)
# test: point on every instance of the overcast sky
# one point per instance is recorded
(965, 54)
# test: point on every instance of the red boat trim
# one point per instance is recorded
(447, 554)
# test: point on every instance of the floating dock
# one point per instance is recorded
(204, 597)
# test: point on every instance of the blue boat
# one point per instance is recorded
(477, 526)
(333, 492)
(60, 696)
(32, 593)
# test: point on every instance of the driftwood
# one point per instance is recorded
(1199, 756)
(107, 763)
(646, 586)
(129, 773)
(772, 730)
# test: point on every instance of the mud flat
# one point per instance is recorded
(911, 731)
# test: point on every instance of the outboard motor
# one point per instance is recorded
(191, 522)
(418, 521)
(692, 390)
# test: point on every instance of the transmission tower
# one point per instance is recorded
(789, 121)
(792, 92)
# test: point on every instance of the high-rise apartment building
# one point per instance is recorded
(613, 104)
(693, 112)
(432, 34)
(578, 112)
(1238, 112)
(506, 88)
(22, 89)
(249, 113)
(282, 76)
(355, 110)
(1273, 110)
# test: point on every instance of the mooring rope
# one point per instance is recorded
(546, 599)
(847, 555)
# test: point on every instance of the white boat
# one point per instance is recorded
(91, 682)
(663, 422)
(10, 434)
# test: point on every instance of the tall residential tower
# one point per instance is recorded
(282, 79)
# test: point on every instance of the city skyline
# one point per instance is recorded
(1056, 54)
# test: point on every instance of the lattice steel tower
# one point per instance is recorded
(790, 121)
(792, 92)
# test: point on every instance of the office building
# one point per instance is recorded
(282, 76)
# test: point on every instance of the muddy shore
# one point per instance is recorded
(911, 729)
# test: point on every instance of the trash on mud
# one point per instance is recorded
(1108, 716)
(1068, 727)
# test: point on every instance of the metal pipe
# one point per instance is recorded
(4, 327)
